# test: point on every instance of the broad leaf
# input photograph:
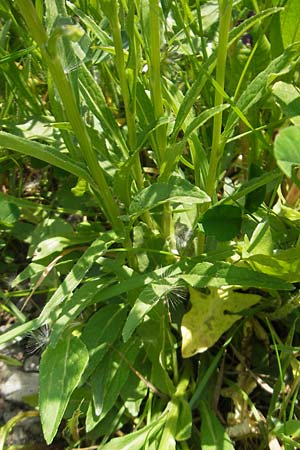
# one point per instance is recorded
(177, 190)
(210, 316)
(284, 264)
(68, 312)
(184, 421)
(66, 288)
(9, 213)
(286, 151)
(61, 369)
(288, 97)
(290, 23)
(222, 221)
(221, 274)
(158, 348)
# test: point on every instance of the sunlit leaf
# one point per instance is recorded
(286, 151)
(137, 439)
(177, 190)
(210, 316)
(290, 23)
(61, 369)
(9, 213)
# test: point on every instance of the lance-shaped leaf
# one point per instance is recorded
(176, 190)
(147, 299)
(61, 369)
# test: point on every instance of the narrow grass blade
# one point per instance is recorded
(44, 153)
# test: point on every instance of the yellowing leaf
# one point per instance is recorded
(210, 316)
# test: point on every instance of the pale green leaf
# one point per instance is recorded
(184, 421)
(108, 379)
(9, 213)
(210, 316)
(66, 288)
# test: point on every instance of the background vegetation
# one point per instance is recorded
(149, 218)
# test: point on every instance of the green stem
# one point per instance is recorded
(155, 76)
(68, 98)
(225, 7)
(111, 10)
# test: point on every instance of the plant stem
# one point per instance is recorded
(225, 7)
(111, 10)
(66, 93)
(155, 76)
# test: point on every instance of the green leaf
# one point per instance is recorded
(9, 213)
(137, 439)
(177, 190)
(134, 391)
(175, 151)
(290, 23)
(210, 316)
(167, 440)
(82, 297)
(222, 274)
(75, 276)
(101, 330)
(284, 264)
(45, 153)
(255, 198)
(252, 185)
(61, 369)
(147, 299)
(286, 151)
(72, 280)
(108, 380)
(97, 105)
(288, 97)
(289, 428)
(184, 421)
(193, 93)
(213, 435)
(157, 347)
(222, 221)
(258, 87)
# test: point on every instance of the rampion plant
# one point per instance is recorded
(159, 122)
